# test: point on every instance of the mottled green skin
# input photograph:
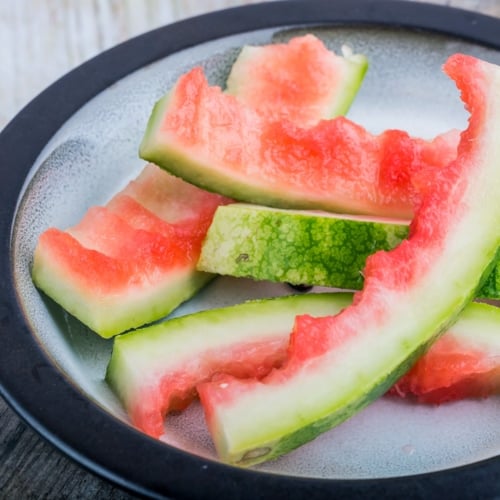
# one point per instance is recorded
(293, 246)
(300, 247)
(490, 289)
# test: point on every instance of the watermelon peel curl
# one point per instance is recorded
(214, 141)
(338, 364)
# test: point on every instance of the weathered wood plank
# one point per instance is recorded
(31, 468)
(42, 40)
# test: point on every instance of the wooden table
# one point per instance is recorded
(41, 40)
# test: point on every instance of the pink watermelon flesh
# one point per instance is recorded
(451, 371)
(144, 254)
(211, 139)
(464, 363)
(401, 309)
(132, 261)
(175, 390)
(300, 81)
(171, 199)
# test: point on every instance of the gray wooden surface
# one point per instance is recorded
(40, 40)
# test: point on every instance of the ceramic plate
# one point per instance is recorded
(76, 145)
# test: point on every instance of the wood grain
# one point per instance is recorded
(40, 40)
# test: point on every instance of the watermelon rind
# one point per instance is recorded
(355, 71)
(160, 150)
(464, 363)
(478, 328)
(201, 170)
(295, 246)
(212, 140)
(192, 347)
(350, 71)
(143, 360)
(77, 267)
(303, 247)
(411, 295)
(490, 289)
(108, 315)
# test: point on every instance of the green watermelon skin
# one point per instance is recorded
(295, 247)
(339, 364)
(490, 289)
(301, 247)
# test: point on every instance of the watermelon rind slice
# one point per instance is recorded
(300, 80)
(152, 366)
(356, 66)
(303, 247)
(132, 261)
(109, 315)
(463, 363)
(224, 127)
(212, 140)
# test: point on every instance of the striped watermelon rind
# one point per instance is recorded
(296, 247)
(156, 369)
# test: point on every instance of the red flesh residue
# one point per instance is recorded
(333, 160)
(293, 81)
(124, 243)
(450, 370)
(176, 388)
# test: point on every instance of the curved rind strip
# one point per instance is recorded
(156, 369)
(114, 271)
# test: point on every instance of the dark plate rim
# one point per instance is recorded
(40, 393)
